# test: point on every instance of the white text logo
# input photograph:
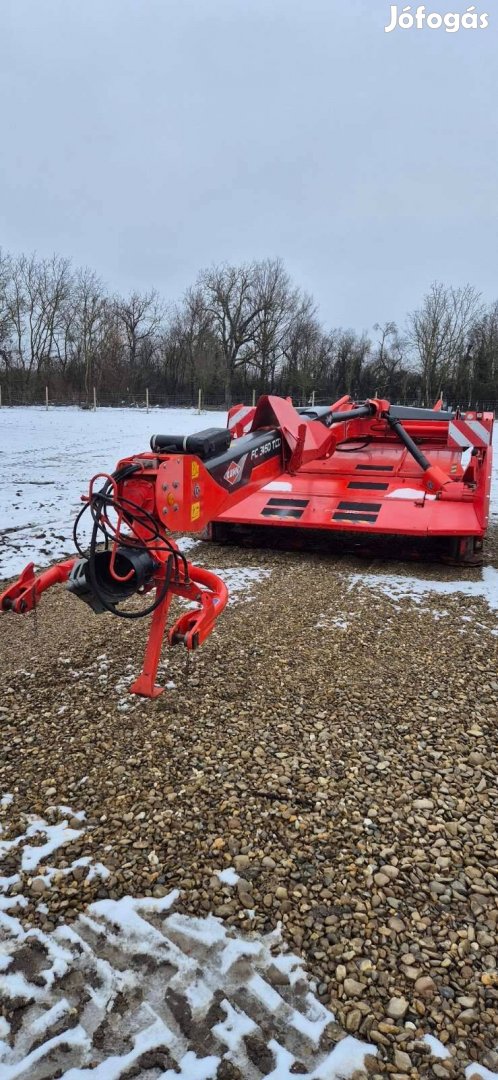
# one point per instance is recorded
(452, 21)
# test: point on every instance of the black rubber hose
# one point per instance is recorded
(360, 410)
(411, 446)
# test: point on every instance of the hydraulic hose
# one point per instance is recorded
(352, 414)
(411, 446)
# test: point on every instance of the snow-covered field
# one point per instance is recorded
(131, 983)
(167, 967)
(47, 460)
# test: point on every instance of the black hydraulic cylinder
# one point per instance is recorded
(352, 414)
(411, 446)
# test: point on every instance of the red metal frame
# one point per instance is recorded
(190, 629)
(447, 500)
(24, 594)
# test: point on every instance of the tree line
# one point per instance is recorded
(237, 332)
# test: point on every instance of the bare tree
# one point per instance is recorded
(140, 318)
(191, 337)
(308, 354)
(5, 322)
(88, 318)
(387, 359)
(234, 305)
(481, 374)
(438, 332)
(279, 305)
(35, 297)
(351, 354)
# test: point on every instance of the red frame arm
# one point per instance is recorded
(191, 629)
(25, 593)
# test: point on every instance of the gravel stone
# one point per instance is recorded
(264, 761)
(397, 1008)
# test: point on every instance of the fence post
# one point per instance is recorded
(147, 399)
(313, 399)
(253, 398)
(94, 400)
(200, 401)
(46, 398)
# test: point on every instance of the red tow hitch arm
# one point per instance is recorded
(25, 593)
(191, 629)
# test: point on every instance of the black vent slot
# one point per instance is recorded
(366, 485)
(375, 468)
(368, 507)
(357, 518)
(281, 512)
(287, 502)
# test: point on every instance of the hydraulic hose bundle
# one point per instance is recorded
(126, 566)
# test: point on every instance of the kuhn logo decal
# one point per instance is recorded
(233, 473)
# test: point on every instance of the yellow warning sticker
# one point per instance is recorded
(195, 470)
(195, 511)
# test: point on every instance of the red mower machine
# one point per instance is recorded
(362, 474)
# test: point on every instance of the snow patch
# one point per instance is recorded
(75, 1037)
(50, 1016)
(401, 587)
(228, 876)
(437, 1048)
(56, 837)
(186, 543)
(347, 1057)
(239, 579)
(332, 622)
(474, 1070)
(409, 493)
(277, 485)
(233, 1029)
(313, 1023)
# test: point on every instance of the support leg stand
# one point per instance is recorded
(145, 685)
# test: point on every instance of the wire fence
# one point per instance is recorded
(201, 399)
(105, 400)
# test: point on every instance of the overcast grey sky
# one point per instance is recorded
(150, 138)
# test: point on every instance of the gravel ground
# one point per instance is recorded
(336, 748)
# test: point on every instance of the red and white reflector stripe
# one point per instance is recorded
(465, 433)
(240, 419)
